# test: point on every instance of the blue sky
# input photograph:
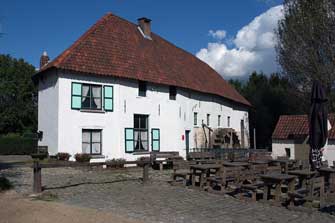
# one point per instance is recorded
(31, 27)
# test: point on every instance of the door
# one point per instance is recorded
(187, 141)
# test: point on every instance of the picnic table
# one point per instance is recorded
(204, 170)
(236, 164)
(329, 174)
(205, 161)
(256, 162)
(304, 177)
(284, 163)
(277, 180)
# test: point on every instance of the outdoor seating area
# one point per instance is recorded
(283, 181)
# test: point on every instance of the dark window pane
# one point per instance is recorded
(172, 92)
(142, 88)
(143, 122)
(136, 121)
(86, 102)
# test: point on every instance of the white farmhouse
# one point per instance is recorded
(290, 138)
(120, 89)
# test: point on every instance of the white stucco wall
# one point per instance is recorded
(172, 117)
(278, 148)
(48, 110)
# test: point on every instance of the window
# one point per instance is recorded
(172, 92)
(141, 132)
(91, 97)
(288, 152)
(228, 121)
(195, 118)
(91, 141)
(219, 120)
(142, 88)
(208, 119)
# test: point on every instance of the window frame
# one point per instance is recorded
(91, 142)
(142, 88)
(140, 130)
(91, 96)
(172, 93)
(208, 116)
(195, 118)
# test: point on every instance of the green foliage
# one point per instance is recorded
(5, 184)
(18, 104)
(82, 157)
(306, 46)
(63, 156)
(116, 163)
(14, 144)
(271, 97)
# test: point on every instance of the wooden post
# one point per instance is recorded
(255, 139)
(37, 184)
(145, 172)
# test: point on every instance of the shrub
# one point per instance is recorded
(116, 163)
(14, 144)
(82, 157)
(63, 156)
(5, 184)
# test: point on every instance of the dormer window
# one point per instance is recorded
(172, 92)
(142, 88)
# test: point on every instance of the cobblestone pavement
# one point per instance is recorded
(121, 192)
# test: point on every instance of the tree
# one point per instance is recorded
(271, 97)
(306, 46)
(18, 105)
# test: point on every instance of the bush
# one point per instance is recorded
(14, 144)
(5, 184)
(116, 163)
(63, 156)
(82, 157)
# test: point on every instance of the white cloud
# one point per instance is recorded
(253, 47)
(218, 34)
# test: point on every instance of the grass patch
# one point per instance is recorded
(47, 196)
(5, 184)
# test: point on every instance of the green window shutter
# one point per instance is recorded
(76, 96)
(108, 98)
(155, 140)
(129, 140)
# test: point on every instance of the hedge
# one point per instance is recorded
(17, 145)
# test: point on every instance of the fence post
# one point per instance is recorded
(145, 172)
(37, 184)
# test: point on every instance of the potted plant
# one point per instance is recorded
(63, 156)
(82, 157)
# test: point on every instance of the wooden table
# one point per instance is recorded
(278, 180)
(304, 177)
(255, 162)
(236, 164)
(205, 161)
(329, 174)
(205, 171)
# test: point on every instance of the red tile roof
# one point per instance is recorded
(115, 47)
(292, 126)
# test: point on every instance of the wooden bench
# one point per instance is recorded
(228, 179)
(181, 170)
(315, 191)
(161, 158)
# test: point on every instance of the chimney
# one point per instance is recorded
(145, 26)
(44, 59)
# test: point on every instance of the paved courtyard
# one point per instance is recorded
(121, 192)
